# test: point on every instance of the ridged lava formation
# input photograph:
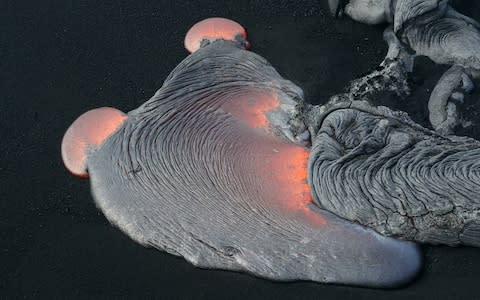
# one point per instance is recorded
(429, 28)
(378, 168)
(213, 168)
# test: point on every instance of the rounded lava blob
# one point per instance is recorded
(214, 29)
(88, 131)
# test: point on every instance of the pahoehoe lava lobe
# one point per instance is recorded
(431, 28)
(377, 167)
(208, 169)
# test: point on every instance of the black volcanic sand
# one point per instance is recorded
(59, 59)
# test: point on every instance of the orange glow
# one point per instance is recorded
(289, 172)
(212, 29)
(90, 129)
(283, 164)
(251, 108)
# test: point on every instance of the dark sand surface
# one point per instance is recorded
(59, 59)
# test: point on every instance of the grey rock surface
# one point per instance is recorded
(377, 167)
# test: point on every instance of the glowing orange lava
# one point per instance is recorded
(212, 29)
(288, 165)
(90, 129)
(283, 165)
(251, 108)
